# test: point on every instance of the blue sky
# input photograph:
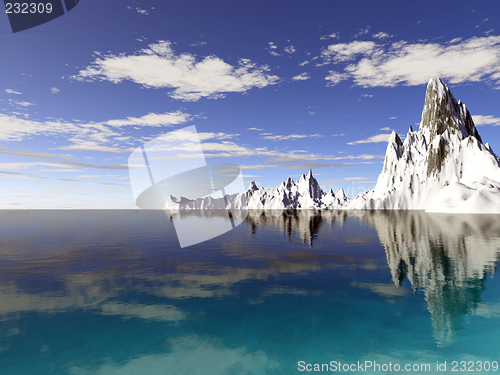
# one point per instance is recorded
(276, 87)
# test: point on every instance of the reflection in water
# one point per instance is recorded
(305, 223)
(289, 276)
(448, 256)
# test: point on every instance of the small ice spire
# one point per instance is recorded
(341, 194)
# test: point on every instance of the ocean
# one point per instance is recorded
(285, 292)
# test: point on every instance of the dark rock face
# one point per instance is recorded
(471, 128)
(442, 112)
(436, 158)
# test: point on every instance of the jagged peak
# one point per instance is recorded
(394, 138)
(253, 186)
(441, 88)
(341, 194)
(410, 130)
(289, 183)
(442, 112)
(307, 178)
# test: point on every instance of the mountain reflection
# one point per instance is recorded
(305, 223)
(57, 262)
(448, 256)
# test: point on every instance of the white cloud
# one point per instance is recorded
(290, 49)
(373, 139)
(142, 11)
(291, 136)
(20, 104)
(456, 40)
(159, 67)
(59, 164)
(362, 32)
(301, 77)
(331, 36)
(335, 77)
(203, 136)
(294, 157)
(9, 91)
(485, 20)
(392, 118)
(257, 129)
(339, 52)
(381, 35)
(92, 136)
(227, 148)
(486, 120)
(259, 166)
(386, 129)
(54, 90)
(272, 49)
(303, 63)
(388, 65)
(367, 95)
(31, 154)
(152, 119)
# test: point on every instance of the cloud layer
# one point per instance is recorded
(371, 64)
(373, 139)
(158, 66)
(486, 120)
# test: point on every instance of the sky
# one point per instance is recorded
(275, 87)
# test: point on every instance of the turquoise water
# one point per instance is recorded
(111, 292)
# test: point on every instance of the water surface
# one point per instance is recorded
(111, 292)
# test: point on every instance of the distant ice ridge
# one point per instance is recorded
(303, 194)
(442, 167)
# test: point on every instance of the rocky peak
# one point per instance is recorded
(442, 112)
(341, 194)
(309, 186)
(253, 187)
(289, 183)
(394, 147)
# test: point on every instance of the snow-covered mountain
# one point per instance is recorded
(303, 194)
(442, 167)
